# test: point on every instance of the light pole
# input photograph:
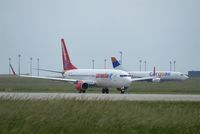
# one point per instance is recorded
(92, 64)
(105, 63)
(31, 65)
(170, 65)
(19, 56)
(174, 66)
(145, 65)
(9, 64)
(140, 64)
(121, 57)
(38, 65)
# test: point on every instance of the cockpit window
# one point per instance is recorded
(182, 74)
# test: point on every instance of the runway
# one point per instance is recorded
(92, 96)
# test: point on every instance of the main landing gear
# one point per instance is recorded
(105, 91)
(82, 91)
(122, 91)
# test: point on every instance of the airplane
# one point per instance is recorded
(158, 75)
(86, 78)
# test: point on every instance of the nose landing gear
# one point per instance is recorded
(122, 90)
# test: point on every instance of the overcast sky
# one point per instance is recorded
(157, 31)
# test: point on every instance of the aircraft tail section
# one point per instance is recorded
(155, 78)
(116, 64)
(13, 71)
(154, 71)
(67, 65)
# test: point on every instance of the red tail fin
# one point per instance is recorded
(67, 65)
(154, 71)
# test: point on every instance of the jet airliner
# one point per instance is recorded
(86, 78)
(157, 75)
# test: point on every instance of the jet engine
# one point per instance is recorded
(81, 86)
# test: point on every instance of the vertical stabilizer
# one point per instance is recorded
(13, 71)
(116, 64)
(154, 71)
(67, 65)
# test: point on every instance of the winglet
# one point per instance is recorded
(67, 65)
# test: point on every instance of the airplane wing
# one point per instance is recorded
(47, 70)
(50, 78)
(142, 79)
(91, 83)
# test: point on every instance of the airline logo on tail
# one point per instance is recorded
(116, 64)
(67, 65)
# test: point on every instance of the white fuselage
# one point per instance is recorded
(163, 75)
(101, 77)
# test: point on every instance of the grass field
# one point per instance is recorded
(16, 84)
(98, 117)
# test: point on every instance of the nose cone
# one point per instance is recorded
(128, 81)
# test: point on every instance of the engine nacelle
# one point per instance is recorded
(80, 85)
(157, 80)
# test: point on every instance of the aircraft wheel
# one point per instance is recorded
(122, 91)
(82, 91)
(107, 90)
(103, 90)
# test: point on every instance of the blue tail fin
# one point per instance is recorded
(116, 64)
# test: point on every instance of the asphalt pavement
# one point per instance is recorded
(93, 96)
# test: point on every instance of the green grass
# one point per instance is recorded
(16, 84)
(190, 86)
(99, 117)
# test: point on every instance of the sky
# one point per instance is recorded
(156, 31)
